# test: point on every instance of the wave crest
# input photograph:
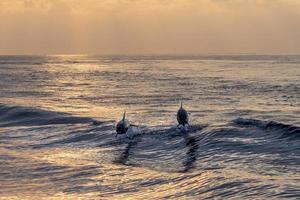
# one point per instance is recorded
(20, 116)
(286, 130)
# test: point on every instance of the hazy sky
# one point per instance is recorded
(149, 26)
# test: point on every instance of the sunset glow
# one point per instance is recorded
(149, 26)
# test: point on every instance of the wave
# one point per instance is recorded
(29, 116)
(21, 116)
(241, 135)
(286, 130)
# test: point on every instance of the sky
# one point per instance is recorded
(149, 26)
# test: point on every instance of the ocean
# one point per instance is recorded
(58, 116)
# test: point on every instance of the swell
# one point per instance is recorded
(160, 150)
(284, 130)
(157, 147)
(21, 116)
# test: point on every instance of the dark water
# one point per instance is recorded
(243, 141)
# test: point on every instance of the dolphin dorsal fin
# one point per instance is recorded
(124, 115)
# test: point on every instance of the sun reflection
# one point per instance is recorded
(111, 179)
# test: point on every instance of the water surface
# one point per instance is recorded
(243, 142)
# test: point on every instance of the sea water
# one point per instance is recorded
(58, 117)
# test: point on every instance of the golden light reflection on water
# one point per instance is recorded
(102, 88)
(117, 178)
(94, 90)
(114, 176)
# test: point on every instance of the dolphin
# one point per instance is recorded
(182, 116)
(122, 126)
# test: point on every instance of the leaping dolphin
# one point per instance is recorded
(122, 126)
(182, 116)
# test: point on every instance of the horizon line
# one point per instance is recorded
(158, 54)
